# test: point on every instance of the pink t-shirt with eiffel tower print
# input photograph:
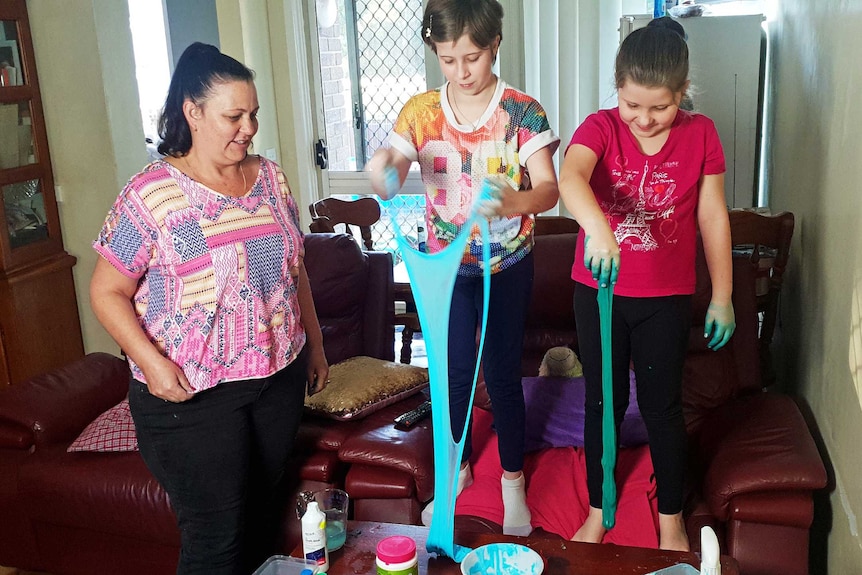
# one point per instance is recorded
(650, 200)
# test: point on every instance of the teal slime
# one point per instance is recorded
(336, 535)
(503, 559)
(432, 279)
(609, 428)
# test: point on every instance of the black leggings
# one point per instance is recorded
(652, 333)
(501, 361)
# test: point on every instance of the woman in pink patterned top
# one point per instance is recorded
(475, 128)
(201, 283)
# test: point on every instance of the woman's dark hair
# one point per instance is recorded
(670, 24)
(655, 57)
(448, 20)
(198, 70)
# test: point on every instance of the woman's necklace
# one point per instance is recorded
(463, 116)
(195, 175)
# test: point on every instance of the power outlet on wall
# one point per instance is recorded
(270, 154)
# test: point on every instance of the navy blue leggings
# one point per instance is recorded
(501, 362)
(221, 457)
(652, 333)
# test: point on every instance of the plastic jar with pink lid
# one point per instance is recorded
(396, 555)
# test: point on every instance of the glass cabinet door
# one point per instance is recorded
(16, 135)
(11, 71)
(26, 220)
(40, 327)
(27, 204)
(16, 132)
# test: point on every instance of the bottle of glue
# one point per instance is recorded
(709, 552)
(314, 536)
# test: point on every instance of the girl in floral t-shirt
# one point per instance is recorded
(472, 128)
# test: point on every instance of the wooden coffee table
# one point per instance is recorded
(561, 557)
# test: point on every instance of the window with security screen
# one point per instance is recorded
(372, 60)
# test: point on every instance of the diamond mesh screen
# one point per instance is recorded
(391, 62)
(411, 213)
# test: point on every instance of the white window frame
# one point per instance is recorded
(310, 129)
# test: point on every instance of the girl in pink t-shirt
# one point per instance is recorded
(642, 179)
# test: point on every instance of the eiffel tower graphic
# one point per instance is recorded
(636, 223)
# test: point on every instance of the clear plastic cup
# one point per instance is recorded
(335, 503)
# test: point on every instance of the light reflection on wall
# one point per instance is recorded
(855, 351)
(146, 19)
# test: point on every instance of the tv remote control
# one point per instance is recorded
(408, 419)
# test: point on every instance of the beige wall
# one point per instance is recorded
(816, 172)
(89, 94)
(816, 169)
(85, 63)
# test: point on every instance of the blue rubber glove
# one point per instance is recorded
(602, 261)
(391, 182)
(720, 324)
(488, 203)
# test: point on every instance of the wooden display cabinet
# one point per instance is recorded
(39, 324)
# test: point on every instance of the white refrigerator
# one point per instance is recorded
(725, 66)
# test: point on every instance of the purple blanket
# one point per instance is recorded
(555, 413)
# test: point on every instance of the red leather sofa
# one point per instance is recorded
(754, 464)
(84, 513)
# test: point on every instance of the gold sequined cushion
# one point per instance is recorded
(362, 385)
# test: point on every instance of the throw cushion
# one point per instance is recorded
(555, 413)
(114, 430)
(362, 385)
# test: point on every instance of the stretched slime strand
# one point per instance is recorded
(609, 428)
(432, 279)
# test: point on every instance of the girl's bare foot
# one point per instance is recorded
(592, 531)
(672, 532)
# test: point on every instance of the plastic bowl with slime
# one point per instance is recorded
(502, 559)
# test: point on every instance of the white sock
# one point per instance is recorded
(465, 480)
(516, 514)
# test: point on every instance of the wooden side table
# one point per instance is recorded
(561, 557)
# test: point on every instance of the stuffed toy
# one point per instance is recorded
(561, 362)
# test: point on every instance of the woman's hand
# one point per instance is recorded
(318, 370)
(720, 324)
(714, 226)
(602, 256)
(111, 296)
(376, 167)
(167, 381)
(601, 250)
(382, 170)
(490, 202)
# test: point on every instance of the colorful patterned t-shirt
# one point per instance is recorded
(454, 159)
(214, 293)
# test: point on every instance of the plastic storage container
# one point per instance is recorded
(284, 565)
(396, 555)
(678, 569)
